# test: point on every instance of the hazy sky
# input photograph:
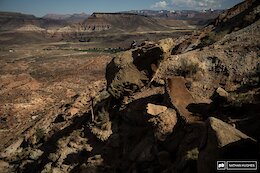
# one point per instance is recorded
(42, 7)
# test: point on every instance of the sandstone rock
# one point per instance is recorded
(35, 154)
(131, 70)
(4, 166)
(222, 92)
(56, 170)
(122, 76)
(34, 117)
(12, 149)
(73, 111)
(100, 124)
(223, 141)
(153, 109)
(219, 97)
(96, 160)
(220, 65)
(47, 168)
(180, 97)
(164, 123)
(146, 59)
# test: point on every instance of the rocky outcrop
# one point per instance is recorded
(133, 69)
(180, 97)
(96, 23)
(123, 76)
(153, 109)
(239, 16)
(164, 123)
(222, 64)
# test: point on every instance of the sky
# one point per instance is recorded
(41, 7)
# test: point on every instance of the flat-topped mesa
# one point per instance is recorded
(101, 14)
(122, 22)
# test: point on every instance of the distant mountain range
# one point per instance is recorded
(18, 19)
(179, 15)
(77, 26)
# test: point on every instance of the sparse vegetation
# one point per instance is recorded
(238, 99)
(192, 154)
(188, 68)
(106, 50)
(39, 133)
(211, 38)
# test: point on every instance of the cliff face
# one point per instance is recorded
(96, 23)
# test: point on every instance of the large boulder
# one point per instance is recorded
(132, 69)
(153, 109)
(122, 76)
(163, 122)
(180, 98)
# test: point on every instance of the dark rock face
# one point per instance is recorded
(223, 142)
(123, 77)
(131, 70)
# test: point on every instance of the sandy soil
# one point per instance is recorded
(35, 79)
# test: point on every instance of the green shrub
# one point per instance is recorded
(39, 133)
(188, 68)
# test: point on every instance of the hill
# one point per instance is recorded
(121, 22)
(10, 21)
